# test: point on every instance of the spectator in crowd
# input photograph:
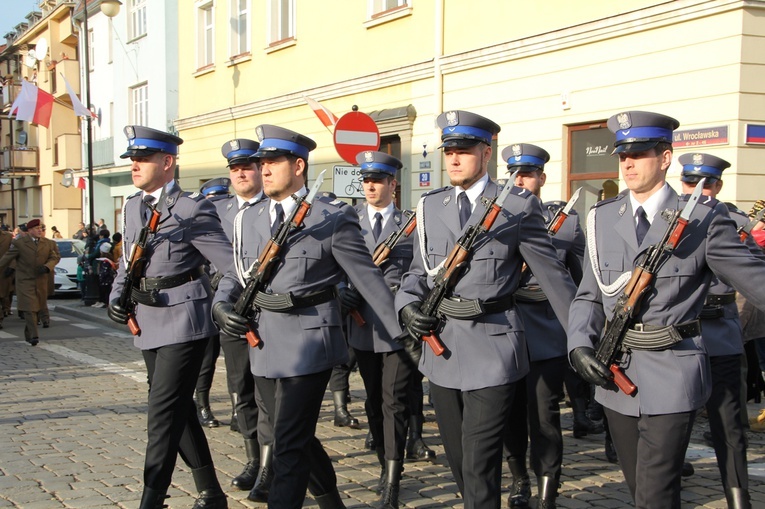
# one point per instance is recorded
(56, 234)
(81, 233)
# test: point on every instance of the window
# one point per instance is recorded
(591, 167)
(240, 27)
(377, 7)
(205, 35)
(282, 16)
(137, 19)
(139, 104)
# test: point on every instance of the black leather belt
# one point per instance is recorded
(163, 283)
(530, 294)
(283, 302)
(644, 336)
(722, 299)
(468, 309)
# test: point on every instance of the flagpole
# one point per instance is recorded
(89, 119)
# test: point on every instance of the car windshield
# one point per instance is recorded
(71, 248)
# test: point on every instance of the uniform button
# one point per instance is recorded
(677, 269)
(323, 320)
(606, 264)
(430, 249)
(491, 252)
(303, 251)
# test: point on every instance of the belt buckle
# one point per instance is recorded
(638, 327)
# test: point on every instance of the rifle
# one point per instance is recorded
(262, 270)
(137, 264)
(382, 252)
(628, 303)
(446, 277)
(746, 230)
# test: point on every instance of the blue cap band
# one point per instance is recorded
(475, 132)
(378, 166)
(288, 146)
(703, 171)
(526, 160)
(638, 134)
(240, 153)
(162, 146)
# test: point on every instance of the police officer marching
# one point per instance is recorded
(298, 317)
(724, 342)
(172, 305)
(474, 381)
(385, 368)
(665, 358)
(546, 342)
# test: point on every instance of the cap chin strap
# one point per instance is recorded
(592, 247)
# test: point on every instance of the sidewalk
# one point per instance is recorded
(587, 479)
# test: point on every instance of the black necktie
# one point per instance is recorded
(147, 200)
(464, 208)
(279, 212)
(642, 225)
(377, 228)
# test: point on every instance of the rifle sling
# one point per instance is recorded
(285, 302)
(643, 336)
(469, 309)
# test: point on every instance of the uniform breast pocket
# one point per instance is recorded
(486, 263)
(301, 260)
(437, 251)
(175, 245)
(611, 266)
(674, 277)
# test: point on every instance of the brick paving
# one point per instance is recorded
(72, 435)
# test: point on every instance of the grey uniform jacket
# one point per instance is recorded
(189, 232)
(227, 209)
(545, 336)
(320, 254)
(676, 379)
(490, 350)
(373, 337)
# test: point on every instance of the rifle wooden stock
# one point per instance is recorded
(677, 233)
(557, 222)
(622, 381)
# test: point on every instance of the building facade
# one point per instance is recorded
(549, 73)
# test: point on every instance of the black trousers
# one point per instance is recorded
(240, 381)
(724, 411)
(207, 371)
(651, 450)
(540, 403)
(299, 460)
(341, 373)
(472, 425)
(386, 379)
(172, 424)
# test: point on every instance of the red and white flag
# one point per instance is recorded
(327, 117)
(79, 109)
(32, 105)
(80, 184)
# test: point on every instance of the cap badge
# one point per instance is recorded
(234, 144)
(517, 150)
(698, 159)
(452, 118)
(130, 132)
(624, 120)
(259, 133)
(369, 157)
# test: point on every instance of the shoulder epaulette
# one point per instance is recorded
(521, 192)
(616, 198)
(133, 195)
(735, 210)
(709, 201)
(436, 191)
(196, 196)
(331, 200)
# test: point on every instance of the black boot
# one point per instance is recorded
(330, 500)
(389, 495)
(520, 491)
(246, 480)
(738, 498)
(548, 492)
(211, 495)
(369, 442)
(152, 499)
(343, 419)
(234, 414)
(415, 446)
(259, 492)
(381, 458)
(582, 424)
(611, 456)
(204, 413)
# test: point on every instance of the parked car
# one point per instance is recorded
(65, 279)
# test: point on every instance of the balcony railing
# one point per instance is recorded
(103, 153)
(20, 162)
(10, 92)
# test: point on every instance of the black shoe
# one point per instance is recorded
(46, 325)
(520, 492)
(416, 449)
(33, 341)
(343, 419)
(204, 412)
(369, 442)
(687, 470)
(246, 480)
(611, 456)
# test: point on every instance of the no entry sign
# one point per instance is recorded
(355, 132)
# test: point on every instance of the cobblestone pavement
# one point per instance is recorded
(72, 435)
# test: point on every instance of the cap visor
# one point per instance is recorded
(138, 153)
(524, 168)
(635, 147)
(375, 174)
(266, 154)
(459, 143)
(240, 160)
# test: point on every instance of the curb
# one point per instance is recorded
(89, 316)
